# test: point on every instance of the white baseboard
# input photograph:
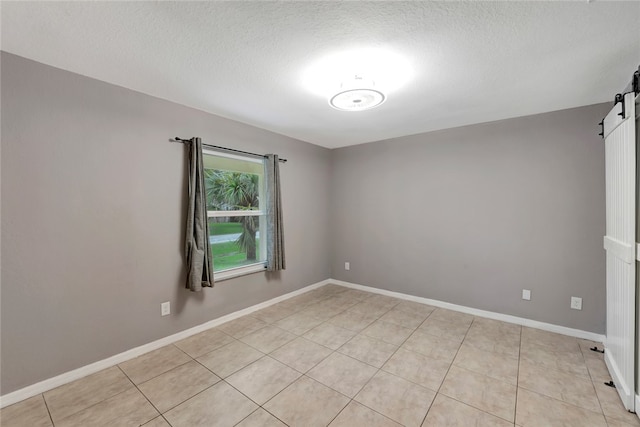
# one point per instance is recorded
(92, 368)
(578, 333)
(67, 377)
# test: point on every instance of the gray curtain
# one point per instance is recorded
(275, 230)
(196, 249)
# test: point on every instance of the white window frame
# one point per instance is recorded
(245, 269)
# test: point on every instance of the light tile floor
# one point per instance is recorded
(341, 357)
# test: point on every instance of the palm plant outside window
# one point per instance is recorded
(235, 193)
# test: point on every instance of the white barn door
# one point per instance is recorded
(619, 243)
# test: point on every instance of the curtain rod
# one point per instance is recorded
(217, 147)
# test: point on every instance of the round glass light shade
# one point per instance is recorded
(357, 99)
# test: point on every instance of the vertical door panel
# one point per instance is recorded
(619, 243)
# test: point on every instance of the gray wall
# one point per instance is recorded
(475, 214)
(92, 196)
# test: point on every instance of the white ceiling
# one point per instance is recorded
(468, 62)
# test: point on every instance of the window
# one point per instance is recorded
(235, 193)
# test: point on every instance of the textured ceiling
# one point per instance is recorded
(463, 62)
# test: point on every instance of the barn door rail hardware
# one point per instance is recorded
(620, 98)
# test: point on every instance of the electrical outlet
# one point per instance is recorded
(526, 294)
(165, 308)
(347, 266)
(576, 303)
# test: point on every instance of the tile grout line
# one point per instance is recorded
(405, 340)
(478, 373)
(515, 409)
(341, 410)
(380, 369)
(273, 415)
(161, 414)
(566, 403)
(221, 379)
(93, 404)
(102, 401)
(444, 378)
(445, 375)
(303, 374)
(269, 355)
(253, 412)
(336, 351)
(162, 373)
(569, 403)
(166, 420)
(351, 399)
(197, 394)
(400, 346)
(261, 351)
(144, 395)
(323, 299)
(183, 401)
(475, 407)
(593, 383)
(152, 378)
(48, 411)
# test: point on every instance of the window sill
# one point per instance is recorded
(239, 271)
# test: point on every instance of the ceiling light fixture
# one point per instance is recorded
(346, 78)
(357, 94)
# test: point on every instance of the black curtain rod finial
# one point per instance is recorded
(178, 139)
(231, 150)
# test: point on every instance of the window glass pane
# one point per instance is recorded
(231, 186)
(234, 183)
(232, 164)
(235, 241)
